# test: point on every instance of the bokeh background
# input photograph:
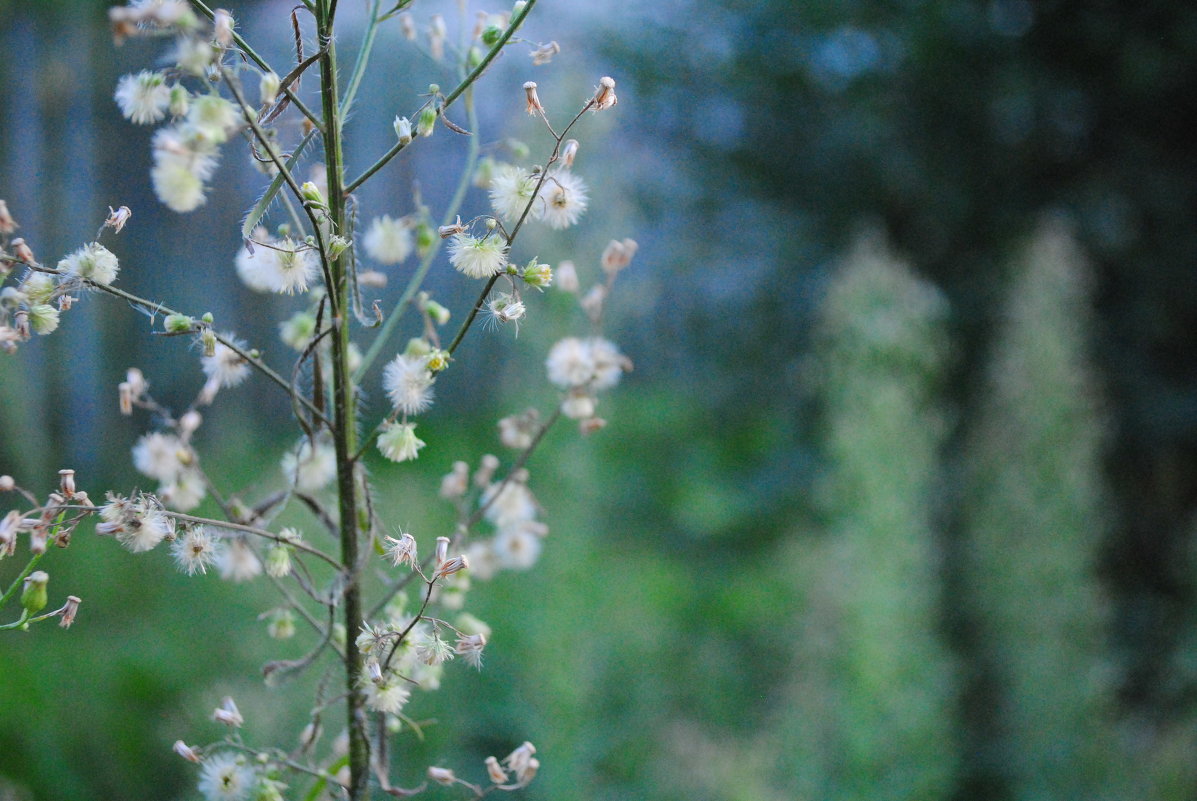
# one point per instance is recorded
(898, 502)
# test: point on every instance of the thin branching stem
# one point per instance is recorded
(461, 87)
(155, 308)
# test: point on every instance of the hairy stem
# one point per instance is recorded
(344, 410)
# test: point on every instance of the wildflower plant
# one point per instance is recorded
(386, 605)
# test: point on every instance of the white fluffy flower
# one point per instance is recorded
(225, 366)
(516, 548)
(144, 531)
(562, 199)
(283, 266)
(514, 504)
(160, 456)
(177, 187)
(238, 562)
(408, 383)
(256, 269)
(195, 551)
(609, 364)
(478, 258)
(185, 492)
(294, 267)
(143, 97)
(310, 469)
(570, 363)
(93, 262)
(194, 54)
(182, 162)
(389, 695)
(399, 443)
(224, 778)
(511, 188)
(212, 117)
(388, 241)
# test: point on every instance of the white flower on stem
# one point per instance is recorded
(310, 469)
(408, 383)
(43, 318)
(195, 551)
(403, 130)
(579, 404)
(516, 547)
(398, 442)
(562, 199)
(194, 55)
(143, 97)
(432, 650)
(544, 53)
(609, 364)
(478, 258)
(388, 241)
(618, 255)
(504, 307)
(570, 363)
(160, 456)
(278, 561)
(441, 775)
(184, 750)
(238, 562)
(388, 695)
(519, 430)
(604, 94)
(213, 118)
(534, 105)
(293, 267)
(223, 777)
(455, 483)
(257, 269)
(469, 648)
(225, 366)
(402, 550)
(281, 625)
(137, 525)
(268, 86)
(520, 761)
(183, 160)
(93, 262)
(185, 492)
(511, 188)
(227, 713)
(178, 187)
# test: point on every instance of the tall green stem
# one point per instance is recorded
(344, 424)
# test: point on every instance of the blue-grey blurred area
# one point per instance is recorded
(897, 503)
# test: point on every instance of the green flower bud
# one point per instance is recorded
(427, 122)
(208, 341)
(337, 245)
(311, 193)
(208, 318)
(438, 313)
(491, 35)
(177, 323)
(425, 238)
(34, 597)
(180, 100)
(417, 346)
